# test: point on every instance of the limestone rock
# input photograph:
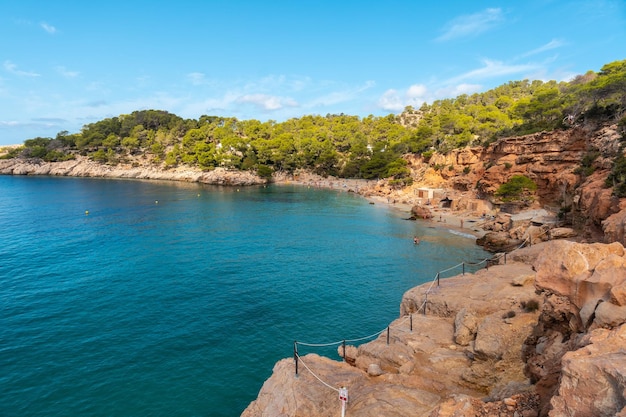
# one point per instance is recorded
(609, 315)
(489, 337)
(421, 212)
(498, 242)
(374, 369)
(521, 280)
(562, 233)
(593, 381)
(566, 268)
(465, 326)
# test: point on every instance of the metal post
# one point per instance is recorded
(295, 355)
(387, 334)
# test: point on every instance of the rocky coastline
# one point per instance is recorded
(540, 332)
(84, 167)
(540, 335)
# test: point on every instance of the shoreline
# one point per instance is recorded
(372, 190)
(443, 218)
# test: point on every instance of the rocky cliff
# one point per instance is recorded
(84, 167)
(542, 335)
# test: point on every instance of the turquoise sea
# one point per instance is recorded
(174, 299)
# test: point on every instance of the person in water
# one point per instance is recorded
(416, 240)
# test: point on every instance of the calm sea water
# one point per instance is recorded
(172, 299)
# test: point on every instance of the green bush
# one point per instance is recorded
(517, 188)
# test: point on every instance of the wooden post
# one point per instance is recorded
(295, 355)
(387, 334)
(505, 258)
(411, 320)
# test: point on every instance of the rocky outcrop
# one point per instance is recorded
(542, 335)
(84, 167)
(466, 346)
(576, 354)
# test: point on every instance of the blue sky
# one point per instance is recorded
(64, 64)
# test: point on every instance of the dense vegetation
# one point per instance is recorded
(343, 145)
(517, 188)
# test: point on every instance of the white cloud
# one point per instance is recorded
(457, 90)
(267, 102)
(471, 25)
(67, 73)
(196, 78)
(553, 44)
(340, 96)
(391, 100)
(12, 68)
(491, 69)
(48, 28)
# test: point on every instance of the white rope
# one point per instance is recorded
(366, 337)
(320, 344)
(423, 306)
(451, 268)
(317, 377)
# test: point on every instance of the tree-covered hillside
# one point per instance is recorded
(339, 144)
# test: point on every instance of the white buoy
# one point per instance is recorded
(86, 212)
(156, 202)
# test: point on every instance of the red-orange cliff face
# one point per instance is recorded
(552, 160)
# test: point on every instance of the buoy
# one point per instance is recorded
(156, 202)
(86, 212)
(237, 189)
(198, 195)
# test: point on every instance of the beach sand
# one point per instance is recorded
(442, 217)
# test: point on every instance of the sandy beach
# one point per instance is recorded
(442, 217)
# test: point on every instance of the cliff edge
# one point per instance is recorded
(542, 335)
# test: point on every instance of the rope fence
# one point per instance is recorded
(343, 392)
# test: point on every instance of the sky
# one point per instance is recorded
(65, 64)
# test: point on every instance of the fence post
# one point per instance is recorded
(387, 334)
(411, 320)
(437, 278)
(295, 354)
(344, 349)
(463, 263)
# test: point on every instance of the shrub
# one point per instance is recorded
(509, 315)
(518, 187)
(530, 305)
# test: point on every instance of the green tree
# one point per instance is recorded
(517, 188)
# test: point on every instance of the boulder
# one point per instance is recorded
(562, 233)
(421, 212)
(566, 268)
(498, 242)
(593, 379)
(465, 326)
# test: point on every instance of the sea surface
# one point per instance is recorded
(138, 298)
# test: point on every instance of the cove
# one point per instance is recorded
(177, 299)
